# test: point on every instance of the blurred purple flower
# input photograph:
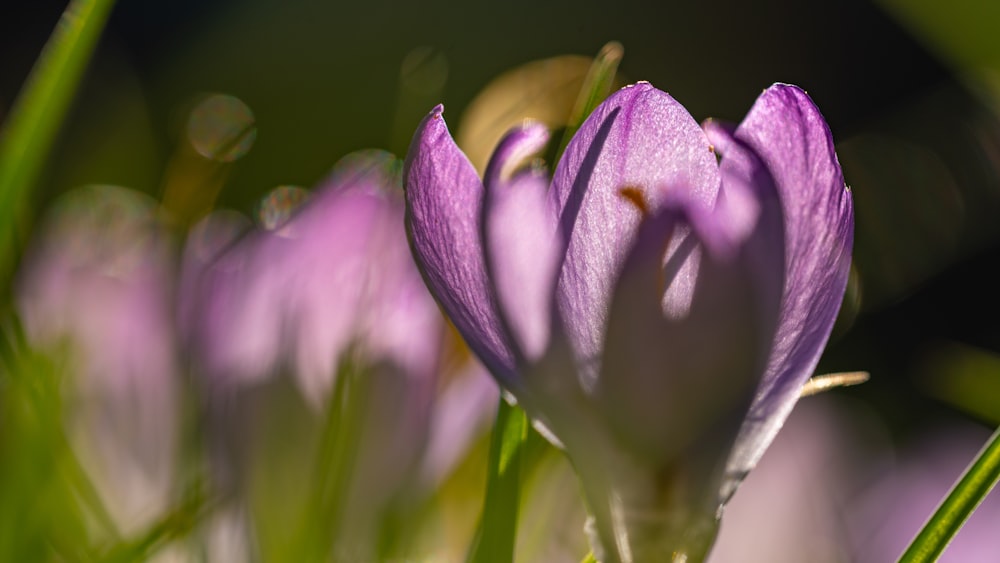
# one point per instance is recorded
(462, 412)
(795, 505)
(331, 285)
(895, 507)
(97, 280)
(655, 309)
(336, 276)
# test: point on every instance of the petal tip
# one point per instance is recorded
(532, 133)
(431, 128)
(524, 140)
(784, 87)
(640, 86)
(537, 130)
(788, 94)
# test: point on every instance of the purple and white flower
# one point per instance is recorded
(657, 305)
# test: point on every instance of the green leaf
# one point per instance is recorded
(970, 490)
(596, 87)
(495, 538)
(27, 135)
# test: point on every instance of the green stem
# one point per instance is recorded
(28, 134)
(970, 490)
(495, 538)
(335, 463)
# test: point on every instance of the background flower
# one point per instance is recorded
(335, 275)
(890, 512)
(97, 283)
(809, 481)
(322, 291)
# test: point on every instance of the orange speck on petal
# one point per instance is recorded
(636, 197)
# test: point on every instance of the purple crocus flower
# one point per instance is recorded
(657, 305)
(97, 277)
(333, 285)
(335, 277)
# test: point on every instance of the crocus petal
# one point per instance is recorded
(240, 316)
(463, 410)
(665, 382)
(789, 135)
(399, 306)
(206, 242)
(523, 254)
(331, 246)
(639, 138)
(754, 222)
(513, 150)
(444, 198)
(519, 230)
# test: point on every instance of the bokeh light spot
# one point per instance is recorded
(221, 128)
(278, 206)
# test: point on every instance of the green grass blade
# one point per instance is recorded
(334, 464)
(970, 490)
(495, 538)
(180, 521)
(596, 86)
(27, 135)
(47, 500)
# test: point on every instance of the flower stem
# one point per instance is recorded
(970, 490)
(495, 538)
